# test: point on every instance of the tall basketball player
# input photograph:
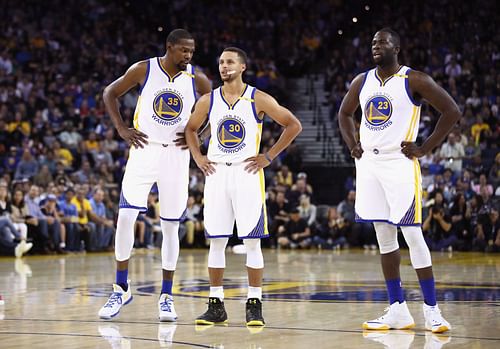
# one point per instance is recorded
(169, 86)
(234, 188)
(388, 178)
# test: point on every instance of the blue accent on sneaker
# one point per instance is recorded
(395, 291)
(429, 291)
(121, 279)
(166, 287)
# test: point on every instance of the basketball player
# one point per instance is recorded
(388, 178)
(234, 188)
(168, 86)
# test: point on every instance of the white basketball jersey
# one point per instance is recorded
(390, 115)
(165, 102)
(235, 129)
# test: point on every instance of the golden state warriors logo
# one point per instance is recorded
(230, 133)
(378, 110)
(167, 105)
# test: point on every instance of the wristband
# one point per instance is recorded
(268, 158)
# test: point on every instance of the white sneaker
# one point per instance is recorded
(397, 316)
(434, 321)
(166, 309)
(436, 341)
(166, 335)
(22, 247)
(391, 339)
(117, 299)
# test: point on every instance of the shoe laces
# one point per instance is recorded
(115, 297)
(166, 305)
(435, 315)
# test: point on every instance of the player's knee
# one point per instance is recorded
(255, 259)
(387, 237)
(216, 254)
(420, 255)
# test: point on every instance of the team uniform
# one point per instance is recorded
(231, 192)
(388, 184)
(162, 110)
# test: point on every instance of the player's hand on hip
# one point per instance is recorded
(357, 151)
(255, 163)
(411, 150)
(180, 141)
(133, 137)
(206, 166)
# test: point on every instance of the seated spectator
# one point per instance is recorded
(194, 228)
(295, 233)
(84, 210)
(330, 234)
(278, 211)
(50, 209)
(27, 167)
(285, 176)
(460, 214)
(69, 217)
(437, 229)
(103, 227)
(307, 210)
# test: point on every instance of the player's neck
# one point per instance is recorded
(169, 66)
(234, 87)
(386, 70)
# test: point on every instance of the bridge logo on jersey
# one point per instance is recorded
(231, 134)
(167, 106)
(378, 111)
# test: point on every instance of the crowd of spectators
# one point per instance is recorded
(61, 161)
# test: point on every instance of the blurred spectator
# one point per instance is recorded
(27, 167)
(330, 234)
(295, 233)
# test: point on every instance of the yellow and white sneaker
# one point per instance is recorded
(397, 316)
(118, 298)
(434, 321)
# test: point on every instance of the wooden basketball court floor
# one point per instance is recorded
(313, 299)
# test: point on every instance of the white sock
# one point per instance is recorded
(254, 292)
(217, 292)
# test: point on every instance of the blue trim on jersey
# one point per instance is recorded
(146, 80)
(125, 204)
(360, 220)
(208, 236)
(180, 219)
(363, 83)
(231, 106)
(253, 107)
(407, 87)
(259, 230)
(194, 84)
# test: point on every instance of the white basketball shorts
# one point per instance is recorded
(388, 189)
(231, 193)
(168, 166)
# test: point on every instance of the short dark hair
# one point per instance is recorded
(242, 55)
(395, 36)
(178, 34)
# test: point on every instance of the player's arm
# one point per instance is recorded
(267, 105)
(134, 76)
(202, 85)
(423, 86)
(197, 119)
(346, 117)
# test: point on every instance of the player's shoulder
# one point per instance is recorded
(417, 78)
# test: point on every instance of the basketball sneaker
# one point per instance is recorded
(391, 339)
(118, 298)
(397, 316)
(166, 308)
(254, 312)
(434, 321)
(216, 313)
